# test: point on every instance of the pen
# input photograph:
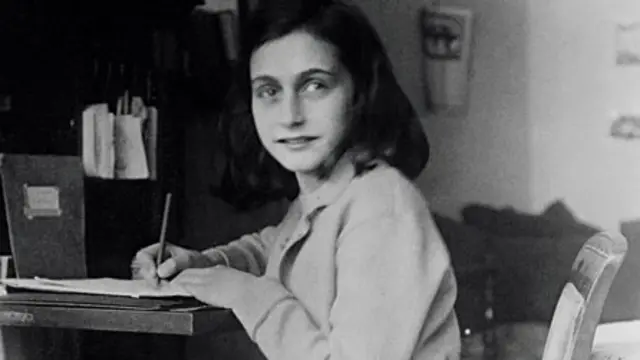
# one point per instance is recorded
(163, 231)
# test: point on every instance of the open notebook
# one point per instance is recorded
(100, 286)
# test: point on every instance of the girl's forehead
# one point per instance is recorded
(293, 54)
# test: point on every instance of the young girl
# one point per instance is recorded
(357, 268)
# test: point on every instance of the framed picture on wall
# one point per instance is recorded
(446, 36)
(628, 44)
(445, 32)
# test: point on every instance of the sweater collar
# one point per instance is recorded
(337, 182)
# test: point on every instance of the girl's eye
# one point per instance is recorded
(266, 92)
(314, 85)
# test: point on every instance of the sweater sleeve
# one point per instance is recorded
(249, 253)
(392, 279)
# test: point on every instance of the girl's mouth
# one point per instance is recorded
(298, 142)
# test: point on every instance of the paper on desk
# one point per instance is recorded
(100, 286)
(617, 333)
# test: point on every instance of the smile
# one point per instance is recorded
(297, 143)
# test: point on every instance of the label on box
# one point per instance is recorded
(41, 201)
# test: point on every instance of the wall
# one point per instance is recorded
(544, 88)
(575, 90)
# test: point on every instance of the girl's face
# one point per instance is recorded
(301, 100)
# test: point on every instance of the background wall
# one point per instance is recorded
(544, 92)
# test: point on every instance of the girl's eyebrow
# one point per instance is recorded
(263, 78)
(313, 71)
(316, 71)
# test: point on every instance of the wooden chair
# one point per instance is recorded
(578, 310)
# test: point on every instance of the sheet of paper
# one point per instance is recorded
(130, 157)
(100, 286)
(89, 141)
(104, 147)
(617, 333)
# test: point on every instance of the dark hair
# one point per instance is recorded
(384, 125)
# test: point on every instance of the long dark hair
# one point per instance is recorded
(384, 125)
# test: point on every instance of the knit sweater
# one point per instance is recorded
(356, 270)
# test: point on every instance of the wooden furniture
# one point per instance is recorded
(52, 331)
(176, 322)
(51, 244)
(580, 305)
(87, 47)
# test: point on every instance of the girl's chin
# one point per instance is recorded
(302, 167)
(305, 162)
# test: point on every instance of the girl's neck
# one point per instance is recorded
(308, 183)
(312, 181)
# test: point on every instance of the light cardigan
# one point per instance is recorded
(355, 270)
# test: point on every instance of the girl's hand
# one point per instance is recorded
(217, 286)
(176, 260)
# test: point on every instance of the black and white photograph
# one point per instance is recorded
(319, 180)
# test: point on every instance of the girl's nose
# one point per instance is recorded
(292, 114)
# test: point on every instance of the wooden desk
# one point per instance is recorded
(46, 332)
(153, 322)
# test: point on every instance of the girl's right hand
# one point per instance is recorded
(176, 259)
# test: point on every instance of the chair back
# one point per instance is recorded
(578, 310)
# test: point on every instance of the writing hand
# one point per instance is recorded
(177, 259)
